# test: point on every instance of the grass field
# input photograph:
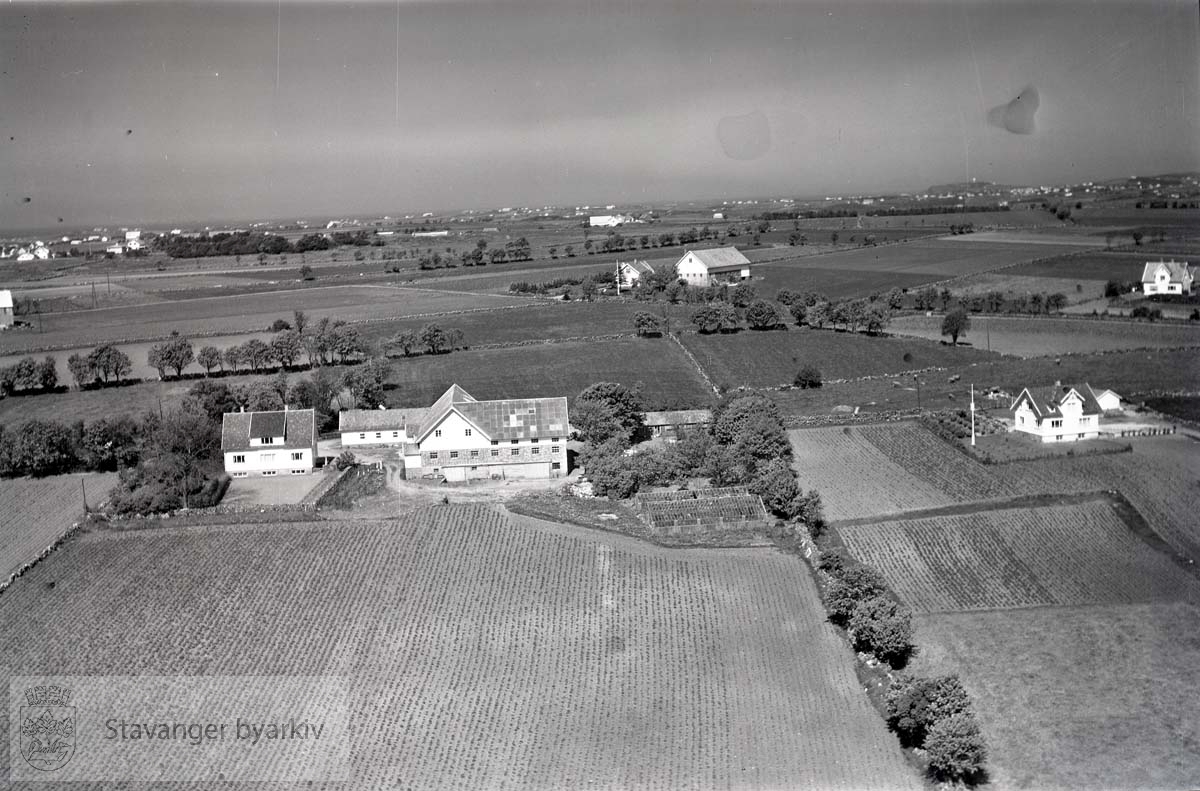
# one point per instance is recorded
(1102, 265)
(36, 512)
(772, 358)
(1020, 557)
(1039, 337)
(669, 378)
(234, 314)
(483, 651)
(1096, 696)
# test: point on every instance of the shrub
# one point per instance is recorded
(279, 325)
(775, 483)
(915, 705)
(884, 628)
(808, 376)
(955, 747)
(848, 587)
(345, 459)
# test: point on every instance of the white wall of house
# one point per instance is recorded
(1109, 401)
(1072, 425)
(459, 451)
(272, 461)
(6, 317)
(383, 436)
(693, 270)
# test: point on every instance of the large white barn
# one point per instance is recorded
(269, 443)
(718, 265)
(6, 308)
(461, 439)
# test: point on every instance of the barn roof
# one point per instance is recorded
(379, 419)
(678, 417)
(299, 428)
(1178, 270)
(721, 258)
(509, 418)
(641, 267)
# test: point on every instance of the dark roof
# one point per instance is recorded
(267, 424)
(641, 267)
(299, 428)
(1045, 401)
(720, 259)
(509, 418)
(1178, 270)
(380, 419)
(678, 417)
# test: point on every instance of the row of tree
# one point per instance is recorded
(257, 243)
(856, 211)
(27, 375)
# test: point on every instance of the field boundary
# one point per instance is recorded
(695, 363)
(977, 506)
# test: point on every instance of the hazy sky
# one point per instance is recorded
(162, 111)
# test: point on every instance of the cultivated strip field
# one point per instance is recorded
(36, 512)
(669, 378)
(1020, 557)
(484, 651)
(772, 358)
(243, 313)
(1038, 337)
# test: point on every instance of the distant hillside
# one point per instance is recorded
(968, 186)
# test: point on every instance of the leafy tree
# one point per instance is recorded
(588, 288)
(883, 627)
(609, 470)
(732, 413)
(365, 383)
(42, 447)
(955, 747)
(210, 357)
(1056, 302)
(807, 377)
(210, 398)
(875, 317)
(177, 353)
(799, 312)
(306, 272)
(1112, 289)
(833, 237)
(256, 354)
(317, 393)
(81, 370)
(819, 314)
(775, 483)
(717, 317)
(110, 362)
(626, 412)
(808, 510)
(185, 449)
(279, 325)
(914, 705)
(407, 341)
(156, 358)
(299, 321)
(762, 315)
(956, 323)
(848, 588)
(569, 250)
(434, 338)
(347, 342)
(1137, 237)
(233, 357)
(647, 323)
(759, 439)
(742, 295)
(109, 444)
(787, 297)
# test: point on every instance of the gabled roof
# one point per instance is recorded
(299, 429)
(720, 258)
(1178, 270)
(380, 419)
(509, 418)
(1046, 402)
(267, 424)
(6, 300)
(641, 267)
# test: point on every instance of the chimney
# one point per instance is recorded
(285, 407)
(242, 408)
(1058, 383)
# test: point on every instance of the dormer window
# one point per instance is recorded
(267, 441)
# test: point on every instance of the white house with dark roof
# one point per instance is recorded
(718, 265)
(630, 272)
(269, 443)
(1167, 277)
(6, 308)
(379, 426)
(1060, 413)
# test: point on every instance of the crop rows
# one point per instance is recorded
(702, 510)
(482, 650)
(856, 479)
(691, 494)
(932, 461)
(1022, 557)
(35, 513)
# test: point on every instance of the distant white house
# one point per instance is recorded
(608, 220)
(133, 236)
(133, 244)
(379, 426)
(6, 308)
(1061, 413)
(1167, 277)
(718, 265)
(269, 443)
(115, 249)
(431, 233)
(24, 255)
(718, 215)
(630, 272)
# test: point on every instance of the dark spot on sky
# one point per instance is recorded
(745, 136)
(60, 219)
(1017, 115)
(128, 131)
(27, 199)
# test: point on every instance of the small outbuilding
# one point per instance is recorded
(672, 424)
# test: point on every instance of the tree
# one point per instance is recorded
(42, 447)
(956, 323)
(809, 376)
(610, 471)
(762, 315)
(569, 250)
(819, 315)
(256, 354)
(407, 341)
(1137, 237)
(733, 413)
(184, 449)
(110, 362)
(177, 353)
(626, 412)
(742, 295)
(156, 358)
(883, 627)
(1112, 289)
(775, 483)
(365, 383)
(299, 321)
(588, 288)
(1056, 302)
(306, 272)
(316, 392)
(434, 338)
(346, 342)
(109, 444)
(46, 377)
(81, 370)
(848, 588)
(875, 317)
(647, 324)
(914, 705)
(955, 747)
(833, 237)
(716, 317)
(210, 357)
(210, 398)
(233, 357)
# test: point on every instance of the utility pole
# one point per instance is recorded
(83, 489)
(917, 379)
(972, 414)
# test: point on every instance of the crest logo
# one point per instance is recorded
(47, 728)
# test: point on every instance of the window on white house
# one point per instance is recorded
(268, 472)
(515, 451)
(534, 440)
(554, 465)
(362, 436)
(297, 455)
(495, 442)
(515, 441)
(239, 458)
(395, 435)
(437, 432)
(535, 451)
(467, 432)
(433, 454)
(299, 472)
(474, 454)
(267, 440)
(495, 453)
(554, 449)
(378, 435)
(555, 439)
(454, 454)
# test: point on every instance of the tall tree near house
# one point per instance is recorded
(407, 341)
(256, 353)
(209, 357)
(156, 358)
(185, 447)
(81, 370)
(110, 362)
(434, 338)
(647, 323)
(956, 323)
(762, 315)
(178, 354)
(233, 357)
(286, 347)
(299, 321)
(618, 405)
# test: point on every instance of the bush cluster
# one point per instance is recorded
(935, 714)
(857, 598)
(27, 375)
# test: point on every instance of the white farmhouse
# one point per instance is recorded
(706, 267)
(1167, 277)
(462, 439)
(6, 308)
(1061, 413)
(269, 443)
(608, 220)
(630, 272)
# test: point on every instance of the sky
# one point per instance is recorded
(177, 112)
